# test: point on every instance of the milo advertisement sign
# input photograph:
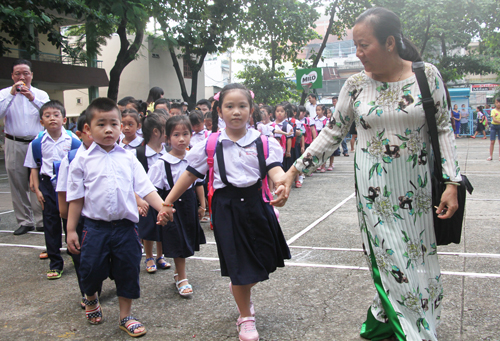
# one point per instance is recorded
(309, 79)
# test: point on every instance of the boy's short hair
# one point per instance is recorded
(497, 99)
(125, 100)
(208, 116)
(302, 108)
(196, 117)
(101, 104)
(313, 95)
(80, 123)
(53, 104)
(176, 105)
(204, 101)
(162, 101)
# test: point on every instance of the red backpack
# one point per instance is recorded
(210, 147)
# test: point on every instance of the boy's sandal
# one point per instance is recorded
(54, 274)
(162, 264)
(205, 219)
(150, 268)
(44, 255)
(96, 312)
(130, 325)
(489, 158)
(184, 287)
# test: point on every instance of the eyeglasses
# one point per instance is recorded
(55, 114)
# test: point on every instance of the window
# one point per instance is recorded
(79, 101)
(187, 70)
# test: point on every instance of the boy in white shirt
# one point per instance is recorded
(53, 145)
(102, 183)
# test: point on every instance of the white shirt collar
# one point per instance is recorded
(95, 146)
(150, 151)
(171, 159)
(246, 140)
(201, 132)
(64, 135)
(136, 142)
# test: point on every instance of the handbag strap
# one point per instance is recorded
(430, 113)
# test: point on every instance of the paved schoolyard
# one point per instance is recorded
(322, 293)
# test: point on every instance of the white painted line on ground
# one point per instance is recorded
(4, 192)
(363, 268)
(474, 199)
(323, 217)
(305, 265)
(30, 232)
(7, 212)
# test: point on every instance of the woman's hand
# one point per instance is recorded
(283, 184)
(449, 203)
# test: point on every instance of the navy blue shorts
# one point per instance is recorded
(110, 248)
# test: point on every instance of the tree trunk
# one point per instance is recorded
(322, 47)
(194, 80)
(443, 46)
(178, 73)
(125, 56)
(426, 37)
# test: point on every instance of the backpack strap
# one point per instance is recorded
(210, 151)
(221, 163)
(36, 148)
(141, 156)
(72, 154)
(262, 144)
(168, 172)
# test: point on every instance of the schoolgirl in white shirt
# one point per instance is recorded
(182, 237)
(130, 124)
(250, 242)
(197, 122)
(153, 128)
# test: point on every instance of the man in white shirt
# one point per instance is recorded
(311, 106)
(19, 106)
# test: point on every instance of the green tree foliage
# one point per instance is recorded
(441, 27)
(342, 16)
(129, 19)
(194, 28)
(270, 86)
(22, 21)
(280, 28)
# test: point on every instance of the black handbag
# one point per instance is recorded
(447, 230)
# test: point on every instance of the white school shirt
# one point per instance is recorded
(51, 151)
(108, 181)
(157, 173)
(311, 108)
(289, 129)
(153, 156)
(240, 159)
(199, 136)
(318, 122)
(132, 145)
(221, 124)
(22, 117)
(62, 177)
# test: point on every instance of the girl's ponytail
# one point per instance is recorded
(215, 117)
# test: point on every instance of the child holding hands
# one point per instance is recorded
(250, 242)
(101, 184)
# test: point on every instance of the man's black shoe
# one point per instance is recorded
(39, 228)
(23, 230)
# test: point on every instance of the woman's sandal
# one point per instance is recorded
(164, 264)
(252, 308)
(130, 324)
(96, 312)
(54, 274)
(150, 268)
(184, 287)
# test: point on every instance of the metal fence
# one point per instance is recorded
(52, 58)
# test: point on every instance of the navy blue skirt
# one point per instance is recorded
(249, 239)
(147, 227)
(182, 237)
